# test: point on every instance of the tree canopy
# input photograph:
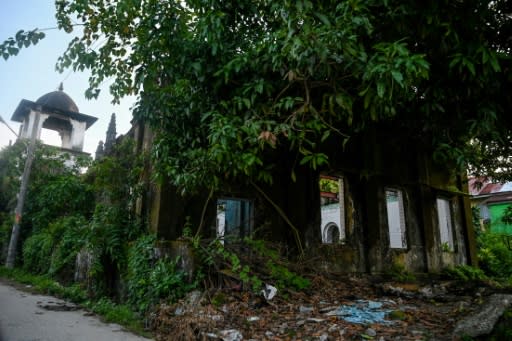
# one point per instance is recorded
(225, 83)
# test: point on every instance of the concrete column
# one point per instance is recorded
(28, 124)
(65, 136)
(77, 135)
(42, 118)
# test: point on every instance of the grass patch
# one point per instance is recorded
(117, 313)
(107, 310)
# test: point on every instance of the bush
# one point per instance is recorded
(53, 250)
(494, 255)
(465, 273)
(37, 251)
(151, 280)
(70, 234)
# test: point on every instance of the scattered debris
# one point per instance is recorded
(269, 292)
(305, 310)
(362, 312)
(59, 306)
(231, 335)
(347, 308)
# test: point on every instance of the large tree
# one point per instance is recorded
(226, 83)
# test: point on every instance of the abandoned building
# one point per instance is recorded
(54, 111)
(382, 202)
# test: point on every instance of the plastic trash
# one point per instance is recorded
(269, 292)
(363, 312)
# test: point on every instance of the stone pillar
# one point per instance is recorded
(77, 135)
(28, 125)
(65, 137)
(42, 118)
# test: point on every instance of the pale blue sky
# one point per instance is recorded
(31, 73)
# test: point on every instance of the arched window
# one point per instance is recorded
(332, 208)
(331, 233)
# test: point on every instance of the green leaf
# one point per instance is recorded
(306, 159)
(381, 88)
(470, 66)
(397, 76)
(325, 135)
(12, 51)
(323, 18)
(494, 63)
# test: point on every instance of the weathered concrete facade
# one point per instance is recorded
(396, 207)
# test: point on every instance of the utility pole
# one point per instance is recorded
(8, 126)
(13, 244)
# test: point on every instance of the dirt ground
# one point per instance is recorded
(333, 308)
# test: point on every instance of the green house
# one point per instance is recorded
(492, 199)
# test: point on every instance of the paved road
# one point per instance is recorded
(28, 317)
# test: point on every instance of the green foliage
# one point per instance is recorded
(57, 196)
(44, 284)
(11, 167)
(12, 46)
(328, 185)
(399, 273)
(110, 229)
(507, 215)
(114, 180)
(465, 273)
(71, 234)
(151, 280)
(445, 247)
(238, 84)
(286, 279)
(494, 256)
(117, 313)
(37, 250)
(281, 276)
(236, 80)
(274, 271)
(53, 250)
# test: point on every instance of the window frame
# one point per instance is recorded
(402, 221)
(243, 230)
(341, 204)
(450, 231)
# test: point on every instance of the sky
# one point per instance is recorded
(31, 74)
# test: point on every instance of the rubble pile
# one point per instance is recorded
(346, 308)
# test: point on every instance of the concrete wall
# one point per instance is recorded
(370, 164)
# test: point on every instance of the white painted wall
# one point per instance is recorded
(331, 214)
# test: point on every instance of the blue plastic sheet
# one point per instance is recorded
(363, 312)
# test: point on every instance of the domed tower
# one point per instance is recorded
(57, 111)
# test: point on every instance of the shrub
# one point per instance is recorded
(70, 235)
(151, 280)
(37, 251)
(53, 250)
(494, 255)
(465, 273)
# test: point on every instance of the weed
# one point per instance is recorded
(399, 273)
(151, 280)
(465, 273)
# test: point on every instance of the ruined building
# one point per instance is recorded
(382, 202)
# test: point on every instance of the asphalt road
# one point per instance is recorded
(29, 317)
